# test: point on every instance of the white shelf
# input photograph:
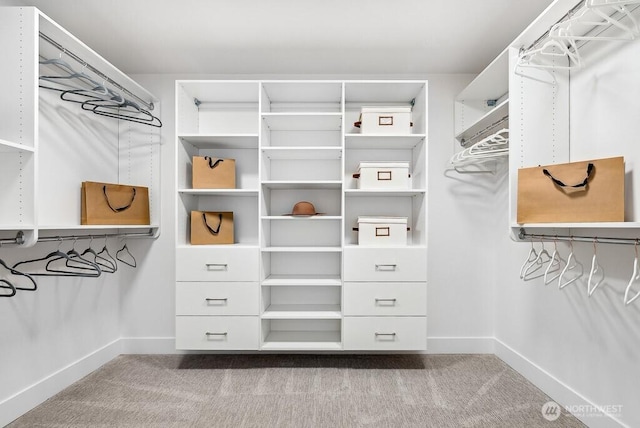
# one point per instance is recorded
(17, 227)
(312, 153)
(385, 193)
(301, 249)
(313, 184)
(390, 93)
(302, 218)
(88, 228)
(228, 141)
(303, 121)
(382, 141)
(491, 117)
(9, 147)
(311, 311)
(220, 192)
(307, 92)
(492, 83)
(302, 281)
(303, 340)
(368, 247)
(237, 245)
(600, 225)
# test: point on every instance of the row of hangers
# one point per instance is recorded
(80, 88)
(72, 263)
(564, 271)
(583, 25)
(492, 147)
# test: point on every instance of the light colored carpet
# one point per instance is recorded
(298, 391)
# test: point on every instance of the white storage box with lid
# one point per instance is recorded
(382, 231)
(383, 175)
(394, 120)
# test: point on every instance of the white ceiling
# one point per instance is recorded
(295, 36)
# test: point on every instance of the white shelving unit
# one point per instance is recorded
(49, 147)
(292, 141)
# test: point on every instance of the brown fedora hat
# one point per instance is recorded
(304, 208)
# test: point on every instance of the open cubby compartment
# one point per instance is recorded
(301, 232)
(411, 206)
(217, 107)
(415, 155)
(279, 202)
(301, 165)
(285, 302)
(244, 208)
(301, 334)
(301, 96)
(301, 130)
(386, 93)
(246, 160)
(301, 268)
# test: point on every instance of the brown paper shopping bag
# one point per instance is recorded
(577, 192)
(208, 227)
(213, 173)
(106, 203)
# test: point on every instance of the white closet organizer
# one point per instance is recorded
(299, 283)
(561, 114)
(48, 147)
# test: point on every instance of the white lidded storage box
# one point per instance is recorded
(394, 120)
(383, 175)
(382, 231)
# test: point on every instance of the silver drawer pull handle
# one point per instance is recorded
(215, 334)
(216, 300)
(386, 334)
(392, 301)
(386, 267)
(216, 266)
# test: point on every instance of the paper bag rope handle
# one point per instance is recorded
(119, 209)
(561, 184)
(213, 164)
(217, 229)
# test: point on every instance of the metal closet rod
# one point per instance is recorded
(19, 239)
(147, 104)
(573, 238)
(465, 142)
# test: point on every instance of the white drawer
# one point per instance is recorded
(385, 333)
(217, 264)
(385, 264)
(217, 298)
(385, 298)
(211, 333)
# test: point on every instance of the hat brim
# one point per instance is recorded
(303, 215)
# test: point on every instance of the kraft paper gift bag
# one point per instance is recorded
(576, 192)
(213, 173)
(209, 227)
(106, 203)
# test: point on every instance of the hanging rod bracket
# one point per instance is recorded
(197, 102)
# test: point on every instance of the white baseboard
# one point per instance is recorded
(460, 345)
(554, 388)
(30, 397)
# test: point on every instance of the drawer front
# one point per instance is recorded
(385, 333)
(217, 264)
(385, 298)
(217, 298)
(385, 264)
(213, 333)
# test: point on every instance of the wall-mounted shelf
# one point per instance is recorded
(303, 281)
(302, 152)
(303, 121)
(230, 141)
(485, 122)
(219, 192)
(385, 193)
(303, 341)
(381, 141)
(9, 147)
(315, 184)
(307, 311)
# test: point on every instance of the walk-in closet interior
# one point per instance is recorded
(422, 181)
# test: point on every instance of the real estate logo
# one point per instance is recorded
(551, 410)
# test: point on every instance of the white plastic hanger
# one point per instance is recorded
(635, 277)
(596, 275)
(572, 263)
(543, 258)
(552, 48)
(531, 257)
(556, 264)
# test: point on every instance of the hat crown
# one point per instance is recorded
(304, 208)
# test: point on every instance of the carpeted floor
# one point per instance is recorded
(298, 391)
